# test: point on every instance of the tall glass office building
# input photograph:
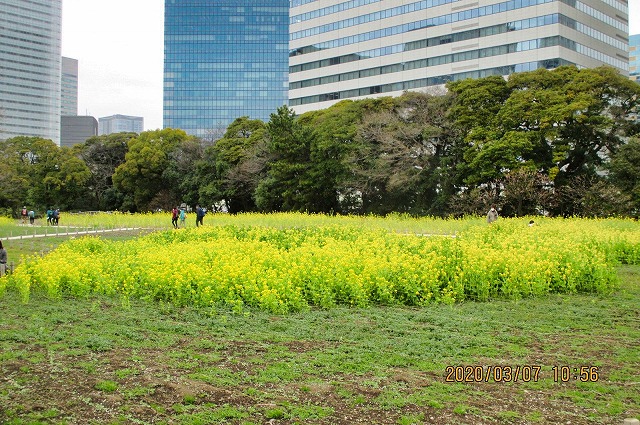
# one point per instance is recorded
(69, 88)
(30, 68)
(347, 49)
(223, 59)
(634, 57)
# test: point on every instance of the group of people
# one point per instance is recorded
(53, 216)
(178, 213)
(30, 214)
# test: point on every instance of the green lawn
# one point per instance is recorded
(105, 361)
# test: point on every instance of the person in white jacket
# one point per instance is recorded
(492, 215)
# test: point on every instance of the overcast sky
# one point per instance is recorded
(119, 45)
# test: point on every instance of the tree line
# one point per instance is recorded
(557, 142)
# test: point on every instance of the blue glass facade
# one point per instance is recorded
(634, 57)
(224, 59)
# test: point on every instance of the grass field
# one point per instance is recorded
(94, 361)
(108, 360)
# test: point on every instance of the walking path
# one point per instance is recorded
(77, 231)
(68, 232)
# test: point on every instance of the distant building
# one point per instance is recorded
(634, 58)
(30, 68)
(120, 123)
(223, 59)
(77, 129)
(69, 88)
(369, 48)
(634, 65)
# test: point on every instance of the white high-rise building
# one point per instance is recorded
(30, 68)
(343, 49)
(119, 124)
(69, 93)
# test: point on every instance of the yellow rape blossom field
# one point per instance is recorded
(290, 262)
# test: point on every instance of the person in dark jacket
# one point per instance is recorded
(174, 217)
(200, 212)
(3, 260)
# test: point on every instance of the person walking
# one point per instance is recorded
(492, 215)
(200, 212)
(174, 217)
(32, 217)
(23, 214)
(183, 218)
(3, 260)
